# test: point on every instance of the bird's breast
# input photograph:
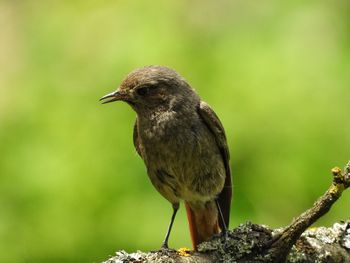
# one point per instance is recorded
(183, 149)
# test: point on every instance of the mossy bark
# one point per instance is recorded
(257, 243)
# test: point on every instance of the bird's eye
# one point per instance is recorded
(142, 91)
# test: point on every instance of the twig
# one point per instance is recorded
(282, 244)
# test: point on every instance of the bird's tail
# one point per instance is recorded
(203, 222)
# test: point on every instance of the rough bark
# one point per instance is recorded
(258, 243)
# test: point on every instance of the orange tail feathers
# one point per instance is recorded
(203, 222)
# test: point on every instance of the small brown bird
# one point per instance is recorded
(183, 144)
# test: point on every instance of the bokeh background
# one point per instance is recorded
(72, 188)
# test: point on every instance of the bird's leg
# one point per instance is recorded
(224, 230)
(165, 242)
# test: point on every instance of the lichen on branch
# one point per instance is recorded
(257, 243)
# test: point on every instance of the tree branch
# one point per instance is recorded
(284, 241)
(256, 243)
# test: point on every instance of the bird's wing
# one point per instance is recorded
(213, 123)
(136, 138)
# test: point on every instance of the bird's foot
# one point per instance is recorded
(164, 246)
(164, 249)
(225, 234)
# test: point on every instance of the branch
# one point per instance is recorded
(256, 243)
(284, 241)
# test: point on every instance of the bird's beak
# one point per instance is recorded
(114, 96)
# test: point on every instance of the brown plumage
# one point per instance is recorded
(183, 145)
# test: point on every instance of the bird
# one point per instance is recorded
(183, 145)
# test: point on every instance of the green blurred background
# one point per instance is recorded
(72, 188)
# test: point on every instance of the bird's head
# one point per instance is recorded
(151, 88)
